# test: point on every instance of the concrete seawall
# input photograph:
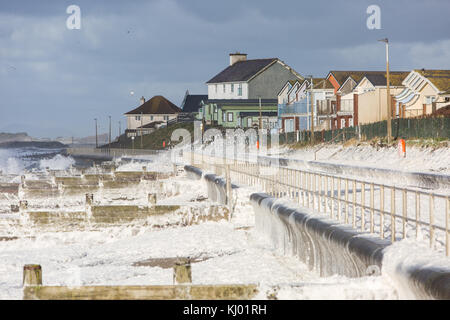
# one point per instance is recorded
(328, 246)
(216, 185)
(322, 244)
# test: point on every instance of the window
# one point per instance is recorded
(166, 118)
(137, 118)
(350, 122)
(232, 87)
(224, 88)
(240, 89)
(249, 122)
(224, 117)
(429, 99)
(342, 123)
(215, 109)
(151, 117)
(230, 116)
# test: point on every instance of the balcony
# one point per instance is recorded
(294, 108)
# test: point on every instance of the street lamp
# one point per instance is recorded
(109, 132)
(388, 93)
(312, 109)
(96, 135)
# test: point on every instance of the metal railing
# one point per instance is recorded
(391, 212)
(112, 152)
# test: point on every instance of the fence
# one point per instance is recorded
(431, 127)
(367, 206)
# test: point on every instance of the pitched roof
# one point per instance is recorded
(192, 102)
(156, 105)
(341, 76)
(395, 78)
(440, 78)
(322, 83)
(242, 70)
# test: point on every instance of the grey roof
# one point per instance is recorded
(395, 78)
(256, 114)
(242, 70)
(243, 102)
(192, 102)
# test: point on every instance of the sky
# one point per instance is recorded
(54, 81)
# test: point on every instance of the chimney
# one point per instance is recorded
(142, 100)
(235, 57)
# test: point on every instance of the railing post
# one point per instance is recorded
(404, 212)
(354, 204)
(382, 211)
(319, 192)
(332, 198)
(346, 201)
(228, 186)
(417, 213)
(447, 217)
(431, 221)
(339, 200)
(363, 206)
(393, 214)
(313, 185)
(326, 193)
(371, 208)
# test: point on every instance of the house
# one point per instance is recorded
(250, 79)
(192, 102)
(294, 105)
(370, 97)
(344, 82)
(150, 115)
(240, 113)
(425, 92)
(324, 103)
(235, 93)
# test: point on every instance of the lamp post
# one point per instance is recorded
(109, 145)
(260, 114)
(96, 135)
(312, 109)
(142, 132)
(388, 93)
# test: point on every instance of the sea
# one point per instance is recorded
(15, 161)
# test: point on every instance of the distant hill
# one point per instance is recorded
(20, 136)
(102, 139)
(37, 144)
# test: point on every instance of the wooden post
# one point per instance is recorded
(23, 205)
(32, 275)
(175, 170)
(182, 271)
(89, 199)
(152, 198)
